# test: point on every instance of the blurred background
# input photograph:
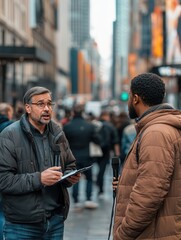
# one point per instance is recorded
(88, 50)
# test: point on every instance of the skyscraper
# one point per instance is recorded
(80, 22)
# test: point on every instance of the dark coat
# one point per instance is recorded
(20, 183)
(4, 122)
(80, 133)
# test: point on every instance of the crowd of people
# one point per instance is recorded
(37, 150)
(106, 130)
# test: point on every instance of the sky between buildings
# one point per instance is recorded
(102, 17)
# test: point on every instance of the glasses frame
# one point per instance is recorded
(42, 105)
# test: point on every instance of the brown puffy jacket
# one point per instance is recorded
(148, 204)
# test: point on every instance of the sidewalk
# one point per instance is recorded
(91, 224)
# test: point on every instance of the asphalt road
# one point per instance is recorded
(87, 224)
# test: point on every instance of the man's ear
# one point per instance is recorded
(136, 99)
(27, 108)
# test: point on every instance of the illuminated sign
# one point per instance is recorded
(173, 33)
(169, 71)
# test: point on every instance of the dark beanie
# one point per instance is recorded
(34, 91)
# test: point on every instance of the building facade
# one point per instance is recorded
(27, 46)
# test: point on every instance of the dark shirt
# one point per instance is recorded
(45, 159)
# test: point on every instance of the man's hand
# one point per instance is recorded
(51, 175)
(74, 179)
(114, 183)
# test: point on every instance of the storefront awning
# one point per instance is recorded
(21, 53)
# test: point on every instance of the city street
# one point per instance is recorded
(91, 224)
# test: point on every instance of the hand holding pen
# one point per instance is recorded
(51, 175)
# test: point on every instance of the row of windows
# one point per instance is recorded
(14, 12)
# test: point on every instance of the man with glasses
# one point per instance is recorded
(35, 154)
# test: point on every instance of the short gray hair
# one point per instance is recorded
(34, 91)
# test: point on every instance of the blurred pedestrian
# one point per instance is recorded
(34, 156)
(19, 110)
(80, 133)
(122, 122)
(6, 116)
(67, 116)
(148, 191)
(109, 144)
(128, 136)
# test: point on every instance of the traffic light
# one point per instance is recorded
(124, 96)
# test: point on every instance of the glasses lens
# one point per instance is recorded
(50, 105)
(41, 105)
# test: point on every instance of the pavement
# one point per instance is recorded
(91, 224)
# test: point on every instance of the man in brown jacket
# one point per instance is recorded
(148, 204)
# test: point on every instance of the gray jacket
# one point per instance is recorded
(20, 183)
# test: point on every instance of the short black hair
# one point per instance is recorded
(150, 87)
(78, 109)
(34, 91)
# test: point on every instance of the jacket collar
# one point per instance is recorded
(154, 108)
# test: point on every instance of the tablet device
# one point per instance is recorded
(74, 172)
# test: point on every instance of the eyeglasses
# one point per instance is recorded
(42, 105)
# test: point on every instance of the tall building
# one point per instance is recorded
(83, 54)
(121, 34)
(132, 39)
(147, 38)
(27, 45)
(63, 46)
(78, 59)
(80, 23)
(13, 33)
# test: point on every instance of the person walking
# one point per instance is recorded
(123, 121)
(34, 155)
(67, 116)
(128, 136)
(148, 191)
(80, 133)
(109, 143)
(6, 116)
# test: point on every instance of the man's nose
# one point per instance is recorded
(46, 107)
